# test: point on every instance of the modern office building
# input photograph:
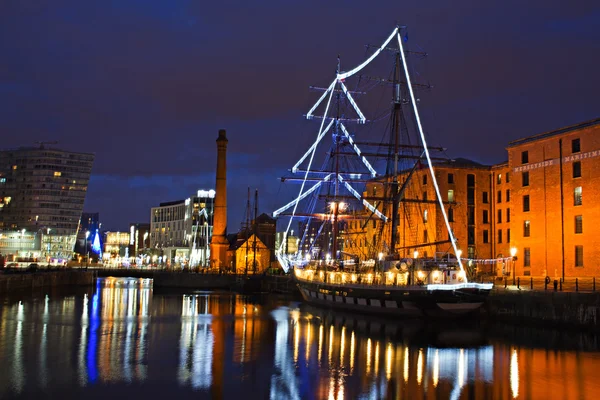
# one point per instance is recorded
(42, 190)
(182, 229)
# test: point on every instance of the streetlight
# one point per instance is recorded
(513, 254)
(87, 260)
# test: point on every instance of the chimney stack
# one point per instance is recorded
(219, 244)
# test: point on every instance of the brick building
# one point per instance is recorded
(556, 191)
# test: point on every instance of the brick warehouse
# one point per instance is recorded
(515, 204)
(555, 196)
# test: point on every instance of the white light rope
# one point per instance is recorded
(300, 198)
(309, 114)
(359, 197)
(312, 156)
(312, 148)
(357, 150)
(349, 96)
(435, 185)
(368, 60)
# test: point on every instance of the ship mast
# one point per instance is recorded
(335, 203)
(396, 142)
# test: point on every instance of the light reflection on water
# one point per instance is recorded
(209, 345)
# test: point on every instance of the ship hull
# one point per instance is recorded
(408, 301)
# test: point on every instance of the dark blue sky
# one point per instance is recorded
(146, 85)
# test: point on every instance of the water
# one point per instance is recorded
(121, 339)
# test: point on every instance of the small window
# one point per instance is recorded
(524, 157)
(486, 238)
(451, 196)
(424, 179)
(579, 224)
(527, 257)
(499, 235)
(499, 220)
(57, 174)
(425, 236)
(526, 203)
(508, 215)
(425, 216)
(577, 169)
(470, 180)
(450, 214)
(577, 196)
(526, 228)
(499, 198)
(374, 224)
(507, 178)
(499, 179)
(575, 146)
(507, 195)
(486, 219)
(425, 196)
(525, 176)
(508, 236)
(450, 178)
(579, 256)
(485, 197)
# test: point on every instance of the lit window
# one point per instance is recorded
(499, 179)
(526, 228)
(57, 173)
(425, 216)
(14, 167)
(577, 196)
(451, 196)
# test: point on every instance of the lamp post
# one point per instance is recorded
(513, 255)
(87, 260)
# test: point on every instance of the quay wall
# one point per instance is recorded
(577, 310)
(23, 281)
(175, 279)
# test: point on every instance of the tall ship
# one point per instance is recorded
(373, 230)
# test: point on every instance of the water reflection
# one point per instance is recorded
(231, 346)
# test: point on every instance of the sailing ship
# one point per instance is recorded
(355, 249)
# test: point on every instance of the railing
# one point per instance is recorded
(530, 283)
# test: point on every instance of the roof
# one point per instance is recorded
(171, 203)
(265, 218)
(460, 163)
(556, 132)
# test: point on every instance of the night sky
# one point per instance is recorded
(145, 85)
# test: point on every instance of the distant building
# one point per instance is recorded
(247, 255)
(90, 222)
(42, 190)
(116, 244)
(266, 228)
(139, 238)
(182, 229)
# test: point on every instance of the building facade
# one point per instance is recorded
(556, 191)
(182, 229)
(43, 190)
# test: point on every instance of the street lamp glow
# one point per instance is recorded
(87, 234)
(458, 253)
(380, 256)
(513, 251)
(416, 254)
